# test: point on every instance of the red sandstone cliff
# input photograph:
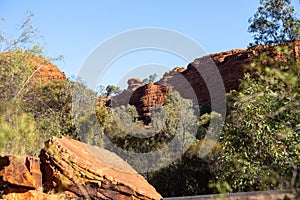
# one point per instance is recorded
(189, 82)
(147, 98)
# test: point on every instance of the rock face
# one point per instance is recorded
(145, 97)
(124, 97)
(90, 172)
(17, 175)
(231, 64)
(134, 83)
(43, 70)
(71, 169)
(190, 83)
(148, 97)
(50, 72)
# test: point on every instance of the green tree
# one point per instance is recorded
(274, 23)
(112, 90)
(14, 69)
(190, 174)
(51, 107)
(88, 118)
(174, 119)
(150, 79)
(126, 132)
(175, 122)
(262, 134)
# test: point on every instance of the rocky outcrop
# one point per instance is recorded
(231, 64)
(124, 97)
(91, 172)
(190, 83)
(42, 69)
(69, 168)
(19, 175)
(147, 98)
(45, 70)
(134, 83)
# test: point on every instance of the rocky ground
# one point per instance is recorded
(67, 168)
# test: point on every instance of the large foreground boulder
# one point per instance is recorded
(90, 172)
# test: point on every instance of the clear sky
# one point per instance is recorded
(74, 28)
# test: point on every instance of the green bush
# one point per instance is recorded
(19, 135)
(262, 132)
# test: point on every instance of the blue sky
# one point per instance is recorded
(74, 28)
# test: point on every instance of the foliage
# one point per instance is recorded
(188, 177)
(51, 107)
(89, 130)
(19, 134)
(25, 39)
(127, 133)
(112, 90)
(191, 173)
(261, 137)
(36, 110)
(103, 116)
(274, 23)
(13, 69)
(88, 118)
(175, 119)
(188, 173)
(150, 79)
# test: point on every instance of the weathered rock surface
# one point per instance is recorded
(231, 64)
(43, 70)
(32, 195)
(124, 97)
(190, 83)
(134, 83)
(17, 175)
(71, 169)
(91, 172)
(148, 97)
